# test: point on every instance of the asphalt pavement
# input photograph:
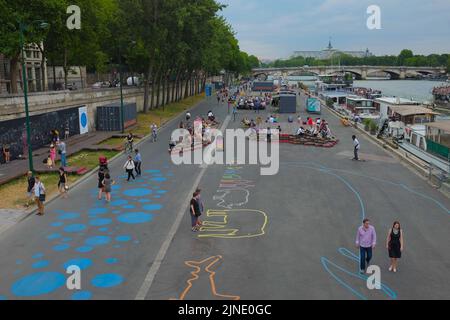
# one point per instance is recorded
(288, 236)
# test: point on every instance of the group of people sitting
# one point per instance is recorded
(314, 128)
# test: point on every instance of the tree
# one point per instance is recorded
(403, 56)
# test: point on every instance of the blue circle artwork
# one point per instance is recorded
(82, 263)
(103, 229)
(135, 218)
(157, 197)
(123, 238)
(95, 211)
(152, 171)
(54, 236)
(137, 192)
(75, 228)
(69, 216)
(111, 260)
(61, 247)
(82, 295)
(144, 201)
(97, 241)
(152, 207)
(40, 264)
(115, 187)
(128, 207)
(37, 255)
(57, 224)
(159, 179)
(107, 280)
(85, 249)
(161, 191)
(83, 120)
(100, 222)
(38, 284)
(117, 203)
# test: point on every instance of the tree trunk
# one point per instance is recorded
(14, 72)
(147, 88)
(54, 76)
(158, 97)
(81, 78)
(66, 69)
(168, 88)
(152, 104)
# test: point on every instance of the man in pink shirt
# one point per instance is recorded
(366, 239)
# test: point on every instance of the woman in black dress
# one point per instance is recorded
(101, 176)
(394, 244)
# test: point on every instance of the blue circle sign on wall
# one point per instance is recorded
(83, 120)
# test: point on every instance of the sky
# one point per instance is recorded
(272, 29)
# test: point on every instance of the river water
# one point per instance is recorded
(418, 90)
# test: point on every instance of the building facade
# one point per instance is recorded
(36, 71)
(329, 52)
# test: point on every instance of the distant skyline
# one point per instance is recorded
(275, 29)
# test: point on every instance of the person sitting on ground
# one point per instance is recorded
(301, 132)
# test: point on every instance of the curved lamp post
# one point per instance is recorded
(22, 29)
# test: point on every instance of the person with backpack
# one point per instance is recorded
(129, 168)
(39, 195)
(101, 176)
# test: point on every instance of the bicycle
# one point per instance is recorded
(128, 147)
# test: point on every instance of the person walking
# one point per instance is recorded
(356, 147)
(366, 239)
(195, 212)
(62, 150)
(6, 152)
(30, 181)
(137, 162)
(200, 205)
(234, 113)
(39, 195)
(395, 244)
(129, 168)
(63, 182)
(107, 185)
(53, 153)
(101, 176)
(154, 132)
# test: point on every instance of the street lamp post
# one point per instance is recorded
(25, 94)
(122, 113)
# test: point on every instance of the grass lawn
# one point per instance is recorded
(14, 193)
(160, 117)
(88, 159)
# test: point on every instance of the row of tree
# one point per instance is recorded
(405, 58)
(168, 42)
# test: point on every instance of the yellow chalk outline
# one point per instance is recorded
(229, 233)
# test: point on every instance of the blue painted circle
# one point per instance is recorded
(54, 236)
(38, 284)
(123, 238)
(40, 264)
(117, 203)
(61, 247)
(161, 191)
(159, 179)
(95, 211)
(140, 192)
(116, 187)
(84, 249)
(107, 280)
(135, 218)
(152, 207)
(144, 201)
(111, 260)
(152, 171)
(82, 295)
(128, 207)
(97, 241)
(69, 216)
(103, 229)
(82, 263)
(57, 224)
(100, 222)
(37, 255)
(83, 120)
(75, 228)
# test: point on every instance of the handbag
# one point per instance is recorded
(42, 197)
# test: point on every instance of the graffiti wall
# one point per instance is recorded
(14, 132)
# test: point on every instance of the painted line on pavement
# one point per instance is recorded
(150, 277)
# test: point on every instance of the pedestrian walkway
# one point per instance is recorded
(19, 168)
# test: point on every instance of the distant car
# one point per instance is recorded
(101, 85)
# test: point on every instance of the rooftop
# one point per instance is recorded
(397, 101)
(442, 125)
(410, 110)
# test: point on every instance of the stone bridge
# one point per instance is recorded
(361, 72)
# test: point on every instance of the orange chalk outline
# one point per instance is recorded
(195, 276)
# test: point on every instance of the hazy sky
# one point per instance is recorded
(273, 29)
